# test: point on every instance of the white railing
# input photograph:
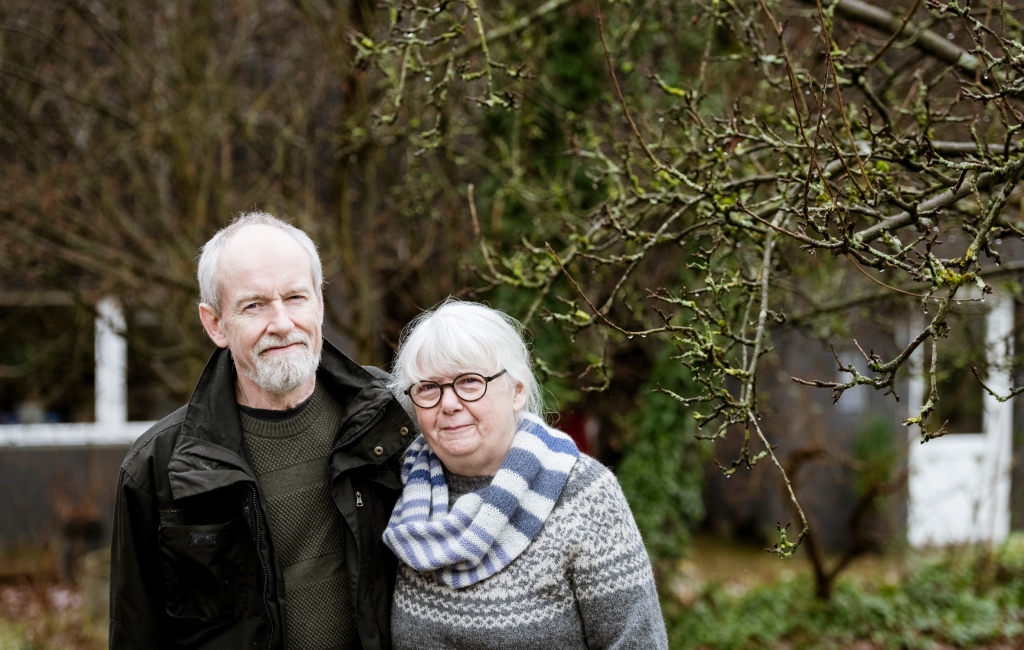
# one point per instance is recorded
(111, 426)
(77, 434)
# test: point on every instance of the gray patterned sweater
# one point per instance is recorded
(584, 582)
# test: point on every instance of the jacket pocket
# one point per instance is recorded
(209, 570)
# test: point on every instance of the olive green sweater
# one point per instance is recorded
(290, 459)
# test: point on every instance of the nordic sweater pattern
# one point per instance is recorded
(584, 582)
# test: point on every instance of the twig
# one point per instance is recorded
(618, 90)
(790, 546)
(476, 231)
(597, 312)
(879, 282)
(892, 39)
(504, 31)
(1002, 398)
(817, 243)
(923, 39)
(839, 97)
(491, 97)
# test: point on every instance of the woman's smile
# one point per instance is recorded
(471, 438)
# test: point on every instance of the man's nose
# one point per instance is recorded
(280, 319)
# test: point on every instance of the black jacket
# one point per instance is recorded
(193, 563)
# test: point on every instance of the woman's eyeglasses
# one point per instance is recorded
(468, 387)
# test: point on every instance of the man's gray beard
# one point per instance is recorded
(283, 373)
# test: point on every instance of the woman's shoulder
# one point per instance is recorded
(590, 477)
(593, 515)
(588, 466)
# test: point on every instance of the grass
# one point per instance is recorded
(12, 636)
(39, 611)
(965, 598)
(39, 615)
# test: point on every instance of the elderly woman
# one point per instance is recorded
(509, 537)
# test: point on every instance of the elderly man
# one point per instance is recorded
(252, 516)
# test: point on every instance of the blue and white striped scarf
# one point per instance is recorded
(485, 530)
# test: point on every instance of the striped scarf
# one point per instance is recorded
(485, 530)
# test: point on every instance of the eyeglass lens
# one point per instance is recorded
(469, 388)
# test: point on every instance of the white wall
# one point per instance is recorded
(959, 484)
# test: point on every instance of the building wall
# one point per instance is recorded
(53, 494)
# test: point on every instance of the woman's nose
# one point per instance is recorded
(449, 400)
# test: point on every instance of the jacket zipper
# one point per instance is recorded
(263, 564)
(369, 425)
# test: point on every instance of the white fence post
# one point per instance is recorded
(111, 364)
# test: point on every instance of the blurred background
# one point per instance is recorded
(433, 150)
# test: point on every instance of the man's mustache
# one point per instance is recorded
(271, 341)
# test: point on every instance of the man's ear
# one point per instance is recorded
(213, 324)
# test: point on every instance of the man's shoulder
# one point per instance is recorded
(167, 428)
(378, 373)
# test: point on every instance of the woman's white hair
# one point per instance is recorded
(458, 337)
(209, 258)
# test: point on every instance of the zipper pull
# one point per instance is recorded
(359, 500)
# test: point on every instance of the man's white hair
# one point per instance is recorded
(209, 257)
(458, 337)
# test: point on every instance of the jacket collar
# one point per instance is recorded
(209, 453)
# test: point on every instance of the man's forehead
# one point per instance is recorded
(238, 286)
(260, 263)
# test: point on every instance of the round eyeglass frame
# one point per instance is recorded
(451, 384)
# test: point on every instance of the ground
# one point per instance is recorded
(41, 615)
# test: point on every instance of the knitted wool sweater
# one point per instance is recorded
(584, 582)
(290, 460)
